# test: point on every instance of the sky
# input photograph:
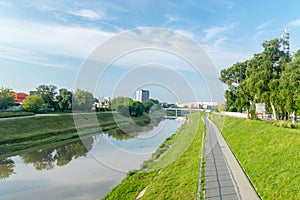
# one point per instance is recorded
(52, 42)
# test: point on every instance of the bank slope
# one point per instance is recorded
(173, 171)
(269, 155)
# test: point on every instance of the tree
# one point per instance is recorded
(64, 99)
(289, 87)
(137, 109)
(83, 100)
(148, 104)
(257, 80)
(6, 168)
(48, 93)
(33, 103)
(6, 98)
(121, 103)
(236, 96)
(221, 107)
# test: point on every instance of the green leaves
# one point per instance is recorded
(83, 100)
(270, 77)
(6, 98)
(33, 103)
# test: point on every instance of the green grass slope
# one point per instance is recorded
(270, 155)
(173, 171)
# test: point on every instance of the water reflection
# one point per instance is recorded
(71, 170)
(6, 168)
(47, 157)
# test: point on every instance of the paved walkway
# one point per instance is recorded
(224, 178)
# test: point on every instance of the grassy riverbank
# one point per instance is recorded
(270, 155)
(24, 133)
(173, 171)
(7, 114)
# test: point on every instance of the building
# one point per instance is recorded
(102, 104)
(198, 105)
(142, 95)
(32, 93)
(19, 97)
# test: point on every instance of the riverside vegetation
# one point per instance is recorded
(268, 154)
(173, 171)
(23, 133)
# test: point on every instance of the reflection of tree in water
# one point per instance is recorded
(41, 158)
(6, 168)
(120, 134)
(46, 158)
(64, 154)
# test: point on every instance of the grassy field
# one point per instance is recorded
(7, 114)
(173, 171)
(23, 133)
(270, 155)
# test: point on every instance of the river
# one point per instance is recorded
(85, 168)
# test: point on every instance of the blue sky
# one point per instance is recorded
(46, 42)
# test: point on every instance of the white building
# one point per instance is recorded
(198, 105)
(142, 95)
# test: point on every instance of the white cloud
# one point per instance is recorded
(294, 23)
(171, 18)
(5, 3)
(73, 41)
(263, 25)
(89, 14)
(22, 55)
(217, 31)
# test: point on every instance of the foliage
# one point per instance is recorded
(221, 107)
(6, 98)
(48, 93)
(83, 100)
(268, 154)
(33, 103)
(128, 107)
(7, 166)
(148, 104)
(270, 77)
(137, 109)
(15, 133)
(64, 99)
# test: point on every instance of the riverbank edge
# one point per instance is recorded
(10, 147)
(163, 183)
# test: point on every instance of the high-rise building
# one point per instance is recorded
(142, 95)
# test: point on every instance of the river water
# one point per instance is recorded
(85, 168)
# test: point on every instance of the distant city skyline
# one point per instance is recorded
(48, 42)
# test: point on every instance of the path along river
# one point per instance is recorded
(85, 168)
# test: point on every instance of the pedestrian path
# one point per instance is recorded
(224, 178)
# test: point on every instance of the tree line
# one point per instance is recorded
(271, 77)
(48, 97)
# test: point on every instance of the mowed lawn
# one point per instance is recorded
(270, 155)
